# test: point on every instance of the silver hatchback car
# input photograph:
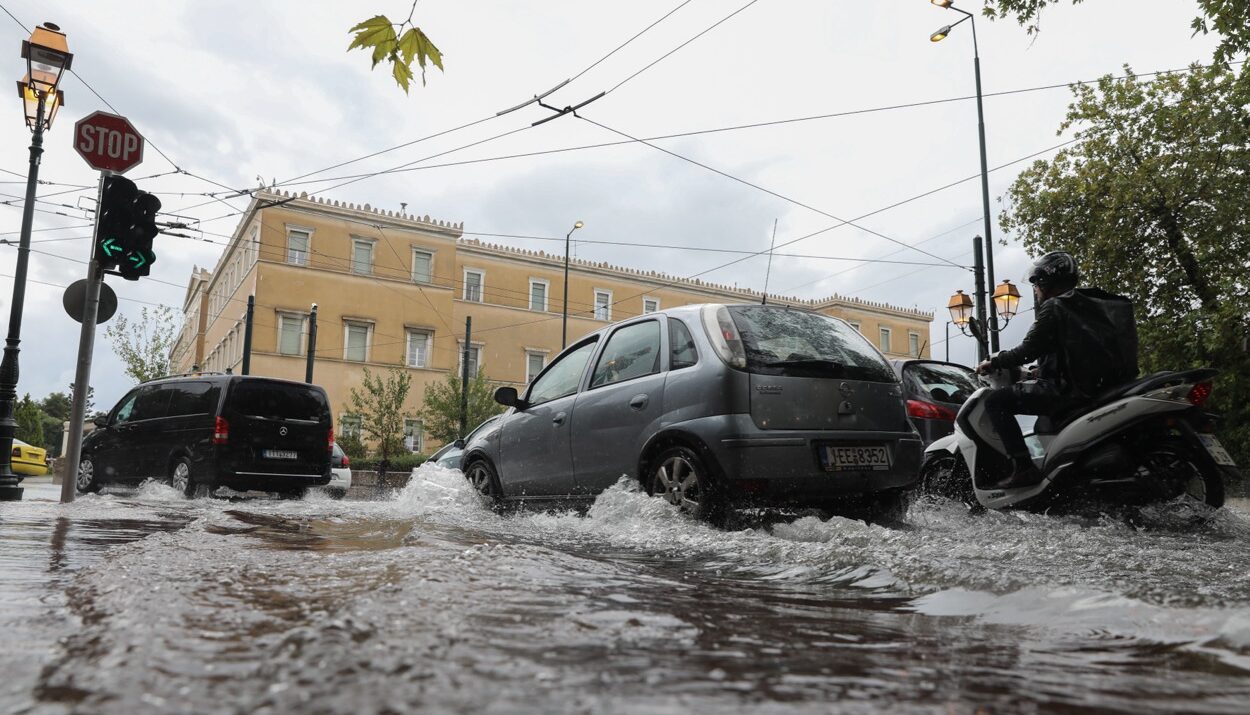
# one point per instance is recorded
(710, 407)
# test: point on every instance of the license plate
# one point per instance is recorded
(1217, 451)
(855, 458)
(279, 454)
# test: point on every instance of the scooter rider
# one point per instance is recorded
(1084, 341)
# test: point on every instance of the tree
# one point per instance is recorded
(29, 422)
(1152, 203)
(380, 406)
(144, 346)
(57, 405)
(389, 41)
(1229, 18)
(441, 414)
(90, 405)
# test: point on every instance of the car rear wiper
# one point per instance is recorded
(832, 365)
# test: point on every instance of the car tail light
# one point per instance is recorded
(724, 335)
(929, 411)
(347, 461)
(17, 451)
(221, 431)
(1199, 393)
(330, 440)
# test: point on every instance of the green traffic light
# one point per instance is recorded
(110, 247)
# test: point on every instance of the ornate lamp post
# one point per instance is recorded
(938, 36)
(564, 329)
(47, 57)
(1006, 304)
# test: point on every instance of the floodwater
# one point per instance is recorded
(141, 602)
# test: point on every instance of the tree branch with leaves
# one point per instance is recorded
(390, 41)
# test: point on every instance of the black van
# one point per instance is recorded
(200, 432)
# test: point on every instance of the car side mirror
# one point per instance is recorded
(508, 397)
(100, 421)
(458, 444)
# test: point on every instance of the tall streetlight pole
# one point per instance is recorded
(564, 329)
(47, 56)
(938, 36)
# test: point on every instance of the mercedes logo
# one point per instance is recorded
(846, 389)
(282, 431)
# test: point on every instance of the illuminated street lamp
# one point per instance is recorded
(941, 34)
(962, 308)
(1006, 301)
(564, 329)
(47, 57)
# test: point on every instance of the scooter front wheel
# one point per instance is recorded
(946, 475)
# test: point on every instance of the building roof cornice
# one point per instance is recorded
(361, 213)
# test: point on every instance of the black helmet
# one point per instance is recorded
(1056, 269)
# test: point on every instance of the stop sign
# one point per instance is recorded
(108, 142)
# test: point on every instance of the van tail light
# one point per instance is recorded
(1199, 393)
(330, 440)
(221, 431)
(929, 411)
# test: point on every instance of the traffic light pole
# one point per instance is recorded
(82, 376)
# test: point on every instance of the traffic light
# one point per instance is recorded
(127, 225)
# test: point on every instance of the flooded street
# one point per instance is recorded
(142, 602)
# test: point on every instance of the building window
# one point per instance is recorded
(858, 329)
(534, 364)
(885, 340)
(290, 333)
(356, 341)
(538, 294)
(414, 435)
(650, 305)
(362, 256)
(913, 344)
(418, 348)
(422, 266)
(475, 360)
(349, 426)
(297, 245)
(473, 281)
(603, 304)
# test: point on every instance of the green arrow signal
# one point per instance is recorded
(110, 247)
(137, 259)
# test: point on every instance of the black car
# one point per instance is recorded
(934, 391)
(201, 432)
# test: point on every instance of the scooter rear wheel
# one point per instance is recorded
(1175, 464)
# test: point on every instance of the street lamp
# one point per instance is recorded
(47, 57)
(564, 329)
(1006, 305)
(938, 36)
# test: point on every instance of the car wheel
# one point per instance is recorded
(888, 508)
(180, 477)
(336, 493)
(86, 480)
(297, 493)
(679, 477)
(484, 480)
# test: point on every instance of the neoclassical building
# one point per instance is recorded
(393, 290)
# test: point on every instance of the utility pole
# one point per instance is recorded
(312, 343)
(247, 336)
(464, 377)
(979, 327)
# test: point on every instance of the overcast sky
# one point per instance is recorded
(231, 91)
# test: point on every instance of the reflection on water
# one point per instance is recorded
(429, 601)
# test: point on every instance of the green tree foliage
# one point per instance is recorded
(391, 42)
(57, 405)
(29, 422)
(144, 345)
(441, 414)
(90, 399)
(380, 406)
(1152, 201)
(1228, 18)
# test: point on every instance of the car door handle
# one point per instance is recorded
(639, 402)
(558, 419)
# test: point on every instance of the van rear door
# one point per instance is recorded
(276, 427)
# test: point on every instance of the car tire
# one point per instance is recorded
(180, 477)
(336, 493)
(85, 479)
(296, 493)
(484, 480)
(888, 508)
(679, 476)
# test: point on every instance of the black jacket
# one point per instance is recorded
(1084, 340)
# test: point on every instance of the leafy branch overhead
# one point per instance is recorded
(382, 36)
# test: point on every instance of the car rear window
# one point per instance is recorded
(278, 401)
(783, 341)
(941, 383)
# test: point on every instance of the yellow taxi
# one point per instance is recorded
(28, 460)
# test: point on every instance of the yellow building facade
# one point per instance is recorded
(393, 291)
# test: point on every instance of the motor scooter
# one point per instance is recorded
(1144, 442)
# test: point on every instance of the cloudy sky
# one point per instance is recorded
(231, 91)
